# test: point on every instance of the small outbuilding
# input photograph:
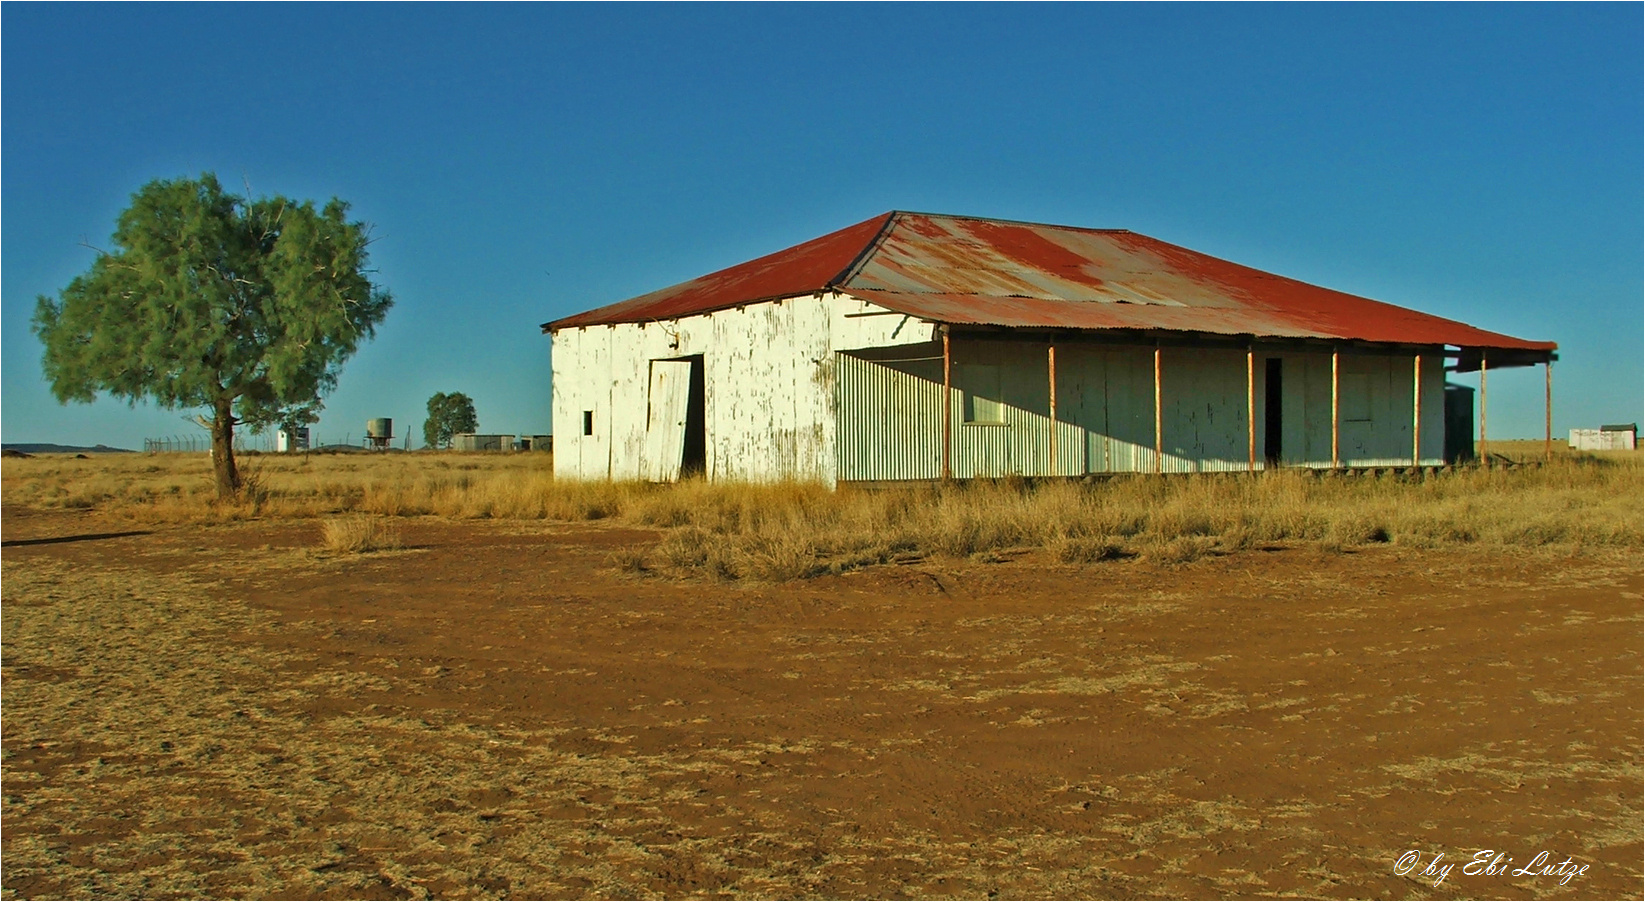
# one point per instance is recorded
(470, 441)
(1615, 437)
(918, 346)
(292, 439)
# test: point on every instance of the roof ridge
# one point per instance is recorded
(1025, 222)
(861, 260)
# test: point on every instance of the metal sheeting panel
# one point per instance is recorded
(1021, 446)
(802, 269)
(595, 447)
(1002, 422)
(890, 414)
(961, 270)
(890, 419)
(1109, 391)
(469, 441)
(890, 426)
(964, 270)
(1376, 395)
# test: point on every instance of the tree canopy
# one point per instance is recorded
(447, 416)
(247, 308)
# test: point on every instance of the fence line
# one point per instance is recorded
(262, 442)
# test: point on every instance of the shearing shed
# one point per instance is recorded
(916, 346)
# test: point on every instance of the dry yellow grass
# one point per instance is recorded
(793, 531)
(179, 487)
(359, 534)
(787, 531)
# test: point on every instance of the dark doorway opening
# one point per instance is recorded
(1273, 404)
(1459, 423)
(695, 460)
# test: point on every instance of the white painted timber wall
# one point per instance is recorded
(768, 386)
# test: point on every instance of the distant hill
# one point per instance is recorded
(48, 448)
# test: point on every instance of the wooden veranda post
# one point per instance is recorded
(1548, 410)
(1159, 422)
(1416, 411)
(1336, 419)
(1051, 376)
(1483, 456)
(1250, 410)
(947, 408)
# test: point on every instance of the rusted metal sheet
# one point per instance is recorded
(958, 270)
(802, 269)
(979, 272)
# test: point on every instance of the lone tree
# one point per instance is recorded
(245, 308)
(447, 416)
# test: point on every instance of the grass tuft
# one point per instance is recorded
(1086, 550)
(359, 534)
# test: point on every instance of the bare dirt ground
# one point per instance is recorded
(498, 711)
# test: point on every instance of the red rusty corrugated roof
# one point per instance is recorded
(965, 271)
(802, 269)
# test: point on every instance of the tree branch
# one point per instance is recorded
(92, 247)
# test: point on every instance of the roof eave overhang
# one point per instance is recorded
(1468, 356)
(573, 321)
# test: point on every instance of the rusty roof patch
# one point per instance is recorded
(967, 271)
(801, 269)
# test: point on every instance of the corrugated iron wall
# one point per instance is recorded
(890, 425)
(890, 422)
(890, 411)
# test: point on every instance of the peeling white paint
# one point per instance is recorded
(830, 387)
(768, 377)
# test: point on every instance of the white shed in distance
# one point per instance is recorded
(1606, 438)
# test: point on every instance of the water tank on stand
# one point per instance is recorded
(379, 433)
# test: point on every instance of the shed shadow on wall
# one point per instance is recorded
(889, 410)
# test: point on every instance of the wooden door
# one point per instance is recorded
(669, 396)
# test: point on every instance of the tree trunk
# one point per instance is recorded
(222, 450)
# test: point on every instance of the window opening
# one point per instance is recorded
(980, 383)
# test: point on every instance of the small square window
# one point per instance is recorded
(588, 422)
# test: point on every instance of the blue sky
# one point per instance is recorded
(522, 162)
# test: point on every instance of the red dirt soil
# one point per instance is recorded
(1287, 722)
